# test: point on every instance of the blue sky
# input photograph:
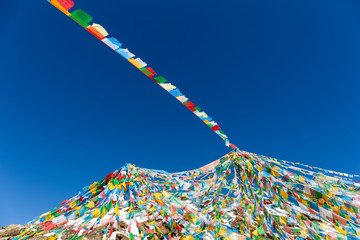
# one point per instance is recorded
(280, 77)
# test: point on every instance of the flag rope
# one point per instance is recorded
(84, 19)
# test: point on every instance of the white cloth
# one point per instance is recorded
(141, 62)
(60, 219)
(182, 98)
(110, 44)
(100, 29)
(325, 213)
(167, 86)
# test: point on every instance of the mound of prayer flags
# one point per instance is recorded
(239, 196)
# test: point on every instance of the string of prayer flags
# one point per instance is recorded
(84, 19)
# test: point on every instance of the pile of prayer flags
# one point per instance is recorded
(239, 196)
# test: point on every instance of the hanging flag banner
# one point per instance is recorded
(84, 19)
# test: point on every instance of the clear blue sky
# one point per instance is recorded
(280, 77)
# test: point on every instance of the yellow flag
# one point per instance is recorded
(190, 237)
(304, 233)
(195, 219)
(157, 195)
(42, 215)
(54, 237)
(117, 209)
(224, 204)
(166, 194)
(340, 230)
(72, 204)
(22, 237)
(222, 231)
(90, 204)
(96, 213)
(275, 173)
(324, 226)
(283, 220)
(206, 211)
(302, 179)
(135, 63)
(157, 229)
(284, 194)
(111, 186)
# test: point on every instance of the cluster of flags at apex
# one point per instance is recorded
(84, 19)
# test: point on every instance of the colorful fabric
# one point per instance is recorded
(98, 31)
(240, 196)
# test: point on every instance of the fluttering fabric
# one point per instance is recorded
(239, 196)
(84, 19)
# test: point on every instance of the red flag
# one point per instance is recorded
(215, 128)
